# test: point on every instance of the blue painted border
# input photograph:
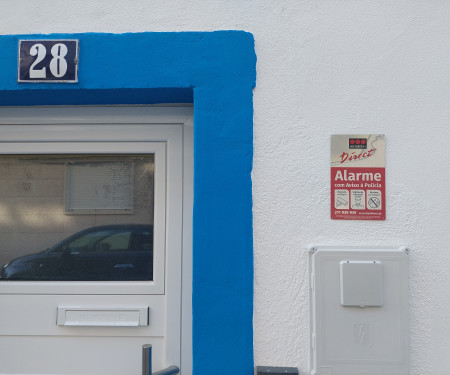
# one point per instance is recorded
(216, 71)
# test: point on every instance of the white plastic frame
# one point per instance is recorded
(70, 130)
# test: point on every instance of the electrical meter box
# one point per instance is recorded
(359, 311)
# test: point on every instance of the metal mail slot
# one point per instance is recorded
(83, 316)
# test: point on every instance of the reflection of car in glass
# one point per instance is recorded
(109, 252)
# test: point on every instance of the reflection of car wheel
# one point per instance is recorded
(374, 202)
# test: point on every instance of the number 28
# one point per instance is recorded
(58, 64)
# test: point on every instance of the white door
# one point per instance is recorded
(91, 239)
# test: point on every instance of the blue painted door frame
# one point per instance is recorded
(217, 72)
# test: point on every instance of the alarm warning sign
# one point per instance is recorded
(358, 188)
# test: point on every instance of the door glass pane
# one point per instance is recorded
(76, 217)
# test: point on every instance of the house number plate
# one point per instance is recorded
(48, 61)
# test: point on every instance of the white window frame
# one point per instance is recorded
(96, 130)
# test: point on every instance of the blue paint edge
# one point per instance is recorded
(217, 72)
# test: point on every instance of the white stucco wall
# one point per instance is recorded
(324, 67)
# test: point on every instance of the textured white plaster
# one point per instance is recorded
(324, 67)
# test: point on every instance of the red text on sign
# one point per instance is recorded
(353, 156)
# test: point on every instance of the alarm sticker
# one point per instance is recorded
(358, 184)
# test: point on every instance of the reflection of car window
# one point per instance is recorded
(87, 242)
(143, 241)
(118, 241)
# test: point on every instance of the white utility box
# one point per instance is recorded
(359, 311)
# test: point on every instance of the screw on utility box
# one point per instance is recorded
(269, 370)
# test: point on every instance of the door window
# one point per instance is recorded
(77, 218)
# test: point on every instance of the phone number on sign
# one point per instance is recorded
(345, 212)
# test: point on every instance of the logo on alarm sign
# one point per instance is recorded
(357, 143)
